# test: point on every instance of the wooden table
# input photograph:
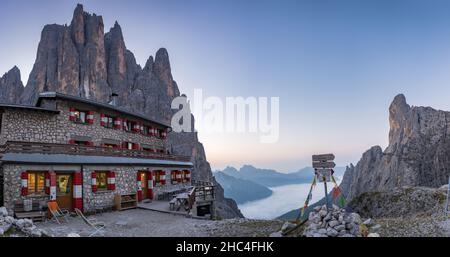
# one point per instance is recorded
(182, 199)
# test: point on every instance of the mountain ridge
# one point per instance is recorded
(241, 190)
(272, 178)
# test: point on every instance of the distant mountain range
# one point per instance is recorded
(250, 183)
(273, 178)
(241, 190)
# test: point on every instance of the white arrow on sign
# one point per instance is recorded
(323, 157)
(317, 165)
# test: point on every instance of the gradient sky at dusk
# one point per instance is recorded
(336, 65)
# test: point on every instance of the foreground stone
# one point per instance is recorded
(335, 222)
(10, 224)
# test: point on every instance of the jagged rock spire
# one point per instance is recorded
(11, 86)
(398, 112)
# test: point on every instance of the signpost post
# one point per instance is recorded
(323, 167)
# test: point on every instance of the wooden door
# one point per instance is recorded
(64, 190)
(144, 184)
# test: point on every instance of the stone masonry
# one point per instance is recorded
(32, 126)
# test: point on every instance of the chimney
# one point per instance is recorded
(113, 100)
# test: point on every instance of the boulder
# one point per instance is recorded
(287, 226)
(375, 228)
(356, 218)
(368, 222)
(332, 232)
(3, 212)
(340, 227)
(333, 223)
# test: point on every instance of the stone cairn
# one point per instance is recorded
(9, 224)
(336, 222)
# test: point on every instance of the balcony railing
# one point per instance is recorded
(50, 148)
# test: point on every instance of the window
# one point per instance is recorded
(127, 145)
(36, 183)
(127, 125)
(110, 145)
(63, 184)
(102, 180)
(145, 131)
(173, 176)
(107, 121)
(81, 142)
(80, 116)
(84, 117)
(147, 149)
(157, 176)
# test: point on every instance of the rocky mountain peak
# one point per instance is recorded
(11, 86)
(77, 25)
(162, 60)
(12, 74)
(417, 154)
(398, 114)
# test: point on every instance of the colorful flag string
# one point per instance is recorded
(308, 198)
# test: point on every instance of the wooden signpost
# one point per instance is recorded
(323, 165)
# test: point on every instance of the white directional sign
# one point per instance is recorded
(323, 157)
(324, 175)
(325, 165)
(323, 161)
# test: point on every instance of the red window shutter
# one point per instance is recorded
(173, 176)
(90, 117)
(150, 183)
(118, 123)
(179, 176)
(24, 178)
(187, 175)
(111, 180)
(103, 120)
(72, 114)
(94, 181)
(124, 122)
(139, 186)
(136, 146)
(78, 190)
(163, 177)
(71, 142)
(150, 131)
(89, 143)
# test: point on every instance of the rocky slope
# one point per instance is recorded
(406, 211)
(418, 153)
(80, 59)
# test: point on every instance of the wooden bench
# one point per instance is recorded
(36, 213)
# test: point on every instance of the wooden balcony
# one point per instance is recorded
(50, 148)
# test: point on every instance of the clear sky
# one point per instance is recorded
(336, 65)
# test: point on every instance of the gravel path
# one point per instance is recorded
(131, 223)
(145, 223)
